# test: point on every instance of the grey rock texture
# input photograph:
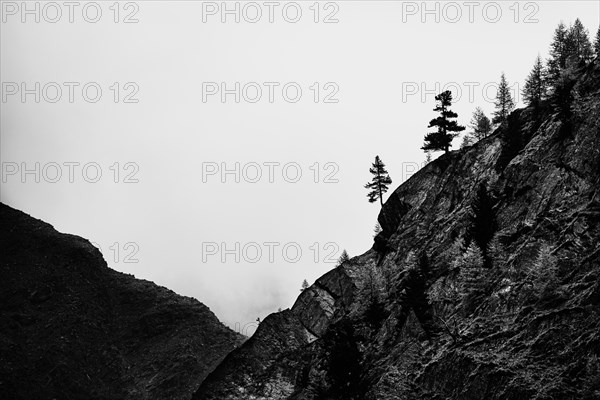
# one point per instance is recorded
(381, 326)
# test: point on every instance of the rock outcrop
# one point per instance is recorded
(72, 328)
(402, 322)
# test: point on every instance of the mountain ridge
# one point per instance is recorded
(74, 328)
(400, 329)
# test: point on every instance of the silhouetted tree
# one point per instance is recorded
(504, 102)
(535, 84)
(447, 129)
(483, 221)
(579, 45)
(305, 285)
(412, 290)
(427, 157)
(380, 182)
(343, 258)
(480, 125)
(562, 96)
(559, 53)
(597, 43)
(467, 141)
(513, 141)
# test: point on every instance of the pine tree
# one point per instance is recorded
(496, 251)
(580, 47)
(483, 221)
(343, 258)
(504, 102)
(446, 129)
(453, 255)
(467, 141)
(597, 43)
(380, 182)
(535, 84)
(305, 285)
(428, 157)
(480, 125)
(542, 274)
(562, 95)
(559, 53)
(472, 273)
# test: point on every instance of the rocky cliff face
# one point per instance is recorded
(425, 313)
(72, 328)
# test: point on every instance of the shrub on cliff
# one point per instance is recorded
(343, 258)
(483, 221)
(473, 276)
(541, 276)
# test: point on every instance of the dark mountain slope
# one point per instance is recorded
(425, 314)
(72, 328)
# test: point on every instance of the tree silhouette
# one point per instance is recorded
(379, 183)
(428, 157)
(597, 43)
(305, 285)
(467, 141)
(579, 46)
(483, 221)
(559, 53)
(504, 102)
(446, 129)
(343, 258)
(535, 84)
(480, 125)
(562, 96)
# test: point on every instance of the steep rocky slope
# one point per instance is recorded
(403, 321)
(72, 328)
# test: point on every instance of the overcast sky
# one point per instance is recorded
(319, 99)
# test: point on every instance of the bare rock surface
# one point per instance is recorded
(383, 328)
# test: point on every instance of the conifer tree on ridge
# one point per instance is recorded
(579, 46)
(480, 124)
(504, 102)
(559, 53)
(447, 128)
(535, 84)
(380, 182)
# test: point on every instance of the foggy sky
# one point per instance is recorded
(377, 59)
